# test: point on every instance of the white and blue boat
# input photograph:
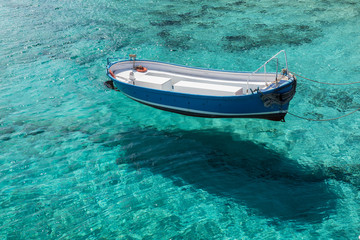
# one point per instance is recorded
(205, 92)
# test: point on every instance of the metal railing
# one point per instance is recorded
(264, 66)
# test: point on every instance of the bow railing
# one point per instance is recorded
(264, 66)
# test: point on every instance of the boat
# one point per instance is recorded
(203, 92)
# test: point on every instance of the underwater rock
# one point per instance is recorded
(114, 181)
(174, 41)
(237, 38)
(342, 101)
(5, 138)
(293, 35)
(240, 43)
(189, 16)
(166, 23)
(238, 3)
(164, 34)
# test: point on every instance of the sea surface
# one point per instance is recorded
(80, 161)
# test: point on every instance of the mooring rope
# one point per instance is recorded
(329, 119)
(348, 83)
(324, 120)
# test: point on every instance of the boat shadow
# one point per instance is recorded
(263, 180)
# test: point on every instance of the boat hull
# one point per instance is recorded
(244, 106)
(269, 116)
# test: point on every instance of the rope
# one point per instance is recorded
(329, 119)
(323, 82)
(324, 120)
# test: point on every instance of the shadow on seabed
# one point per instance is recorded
(250, 174)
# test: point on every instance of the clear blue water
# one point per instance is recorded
(79, 161)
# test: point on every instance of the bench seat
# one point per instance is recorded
(153, 82)
(207, 89)
(241, 83)
(148, 81)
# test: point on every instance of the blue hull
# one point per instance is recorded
(245, 106)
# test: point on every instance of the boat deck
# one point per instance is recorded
(201, 85)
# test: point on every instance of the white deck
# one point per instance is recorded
(193, 81)
(207, 89)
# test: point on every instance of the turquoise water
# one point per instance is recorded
(79, 161)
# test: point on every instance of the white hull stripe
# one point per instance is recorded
(202, 112)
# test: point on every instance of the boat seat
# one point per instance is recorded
(153, 82)
(207, 89)
(240, 83)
